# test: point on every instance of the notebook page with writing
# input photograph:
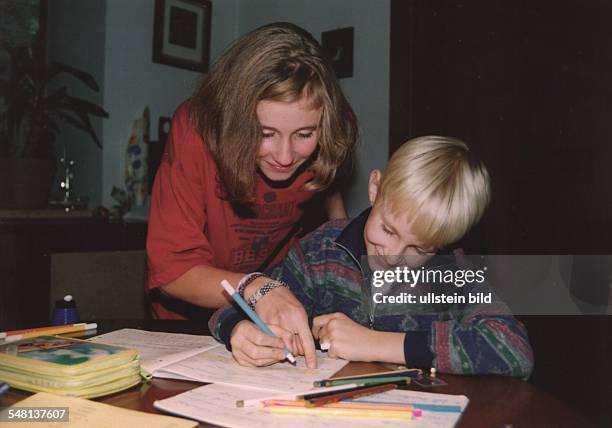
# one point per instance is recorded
(217, 365)
(158, 349)
(216, 404)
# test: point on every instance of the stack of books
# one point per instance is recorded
(68, 366)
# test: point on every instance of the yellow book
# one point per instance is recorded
(68, 366)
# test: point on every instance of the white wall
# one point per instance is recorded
(112, 39)
(133, 81)
(368, 89)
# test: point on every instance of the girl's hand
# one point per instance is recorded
(280, 307)
(344, 338)
(253, 348)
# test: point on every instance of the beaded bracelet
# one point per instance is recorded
(246, 280)
(259, 294)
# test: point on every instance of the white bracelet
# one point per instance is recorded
(246, 280)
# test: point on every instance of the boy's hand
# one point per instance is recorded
(251, 347)
(344, 338)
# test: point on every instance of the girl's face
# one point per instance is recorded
(290, 134)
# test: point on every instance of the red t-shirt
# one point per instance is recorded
(190, 224)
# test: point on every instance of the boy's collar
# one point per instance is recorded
(351, 237)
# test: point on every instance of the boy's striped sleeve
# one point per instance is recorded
(481, 342)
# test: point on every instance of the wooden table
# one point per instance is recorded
(495, 401)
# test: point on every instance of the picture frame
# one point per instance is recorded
(338, 48)
(181, 33)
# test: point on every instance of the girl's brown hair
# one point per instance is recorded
(280, 62)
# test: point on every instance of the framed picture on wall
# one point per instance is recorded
(181, 33)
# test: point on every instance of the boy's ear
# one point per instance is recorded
(373, 185)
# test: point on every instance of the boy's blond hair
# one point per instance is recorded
(439, 184)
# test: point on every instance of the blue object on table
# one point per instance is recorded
(65, 312)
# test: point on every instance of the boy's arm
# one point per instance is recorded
(223, 321)
(475, 342)
(483, 339)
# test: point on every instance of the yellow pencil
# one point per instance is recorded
(384, 406)
(341, 413)
(11, 336)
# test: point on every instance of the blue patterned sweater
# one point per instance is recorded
(325, 273)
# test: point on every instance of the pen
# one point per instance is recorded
(11, 336)
(254, 317)
(3, 387)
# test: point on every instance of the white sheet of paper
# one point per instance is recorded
(216, 404)
(91, 414)
(217, 365)
(158, 349)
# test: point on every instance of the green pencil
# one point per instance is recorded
(376, 375)
(368, 381)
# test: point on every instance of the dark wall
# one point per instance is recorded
(528, 85)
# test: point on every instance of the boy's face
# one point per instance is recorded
(390, 236)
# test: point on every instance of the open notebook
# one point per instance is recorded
(202, 359)
(216, 404)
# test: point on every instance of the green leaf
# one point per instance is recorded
(53, 100)
(82, 123)
(78, 104)
(56, 68)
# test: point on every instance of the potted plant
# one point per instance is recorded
(30, 114)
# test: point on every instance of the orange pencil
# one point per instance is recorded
(11, 336)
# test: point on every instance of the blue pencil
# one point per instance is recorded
(254, 317)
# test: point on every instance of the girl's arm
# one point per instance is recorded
(334, 205)
(200, 286)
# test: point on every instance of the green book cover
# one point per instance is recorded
(60, 356)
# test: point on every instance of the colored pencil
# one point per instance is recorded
(253, 316)
(11, 336)
(419, 406)
(343, 395)
(333, 412)
(350, 404)
(390, 373)
(370, 380)
(295, 396)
